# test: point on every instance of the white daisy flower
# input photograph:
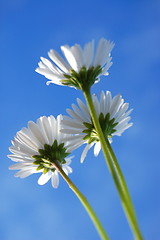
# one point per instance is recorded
(113, 118)
(81, 68)
(39, 147)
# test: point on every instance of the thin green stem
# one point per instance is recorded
(84, 202)
(114, 170)
(121, 177)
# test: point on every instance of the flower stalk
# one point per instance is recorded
(115, 170)
(84, 202)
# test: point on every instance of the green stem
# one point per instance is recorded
(84, 202)
(114, 170)
(121, 177)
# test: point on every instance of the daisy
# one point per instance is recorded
(38, 148)
(81, 67)
(113, 118)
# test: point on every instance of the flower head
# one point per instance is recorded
(82, 67)
(40, 147)
(113, 118)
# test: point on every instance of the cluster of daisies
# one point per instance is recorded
(50, 141)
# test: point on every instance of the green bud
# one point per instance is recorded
(107, 126)
(83, 79)
(88, 125)
(45, 170)
(50, 155)
(39, 167)
(37, 162)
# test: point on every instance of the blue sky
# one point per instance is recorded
(28, 30)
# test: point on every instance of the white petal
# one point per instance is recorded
(110, 140)
(102, 102)
(54, 82)
(106, 67)
(88, 54)
(116, 104)
(72, 138)
(42, 129)
(124, 121)
(26, 140)
(58, 125)
(17, 158)
(68, 160)
(81, 115)
(121, 113)
(55, 179)
(70, 57)
(44, 178)
(108, 101)
(22, 150)
(78, 55)
(53, 124)
(124, 108)
(50, 66)
(25, 173)
(74, 142)
(68, 122)
(41, 65)
(47, 129)
(120, 118)
(21, 165)
(36, 132)
(67, 169)
(74, 115)
(73, 124)
(73, 147)
(71, 131)
(83, 108)
(96, 104)
(56, 77)
(123, 126)
(84, 153)
(36, 141)
(97, 148)
(58, 60)
(102, 53)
